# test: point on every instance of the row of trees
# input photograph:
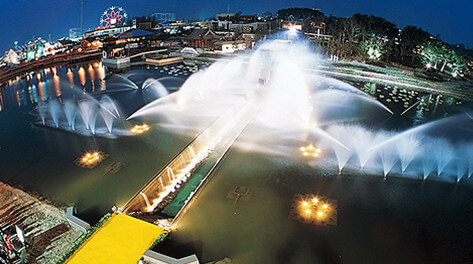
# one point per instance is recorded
(363, 37)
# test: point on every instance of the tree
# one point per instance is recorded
(300, 13)
(412, 39)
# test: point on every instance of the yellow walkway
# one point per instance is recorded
(122, 239)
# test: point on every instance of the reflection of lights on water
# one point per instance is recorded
(140, 129)
(81, 73)
(57, 86)
(310, 151)
(70, 76)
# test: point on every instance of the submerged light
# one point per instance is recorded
(310, 151)
(140, 129)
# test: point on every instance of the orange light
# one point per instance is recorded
(139, 129)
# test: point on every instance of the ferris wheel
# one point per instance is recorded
(113, 16)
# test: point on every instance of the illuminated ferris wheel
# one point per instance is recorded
(113, 16)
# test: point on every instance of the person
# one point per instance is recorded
(3, 254)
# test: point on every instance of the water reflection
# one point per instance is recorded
(18, 99)
(420, 106)
(41, 91)
(57, 86)
(51, 83)
(82, 78)
(101, 74)
(70, 76)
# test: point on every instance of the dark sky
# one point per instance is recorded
(21, 19)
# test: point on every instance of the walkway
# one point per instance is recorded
(121, 240)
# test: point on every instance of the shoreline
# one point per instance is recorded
(47, 233)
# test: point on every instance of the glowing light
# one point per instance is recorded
(292, 30)
(310, 151)
(428, 65)
(140, 129)
(91, 159)
(112, 16)
(316, 210)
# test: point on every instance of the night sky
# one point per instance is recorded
(22, 19)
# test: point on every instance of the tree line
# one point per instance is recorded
(373, 38)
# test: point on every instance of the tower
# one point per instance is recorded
(81, 18)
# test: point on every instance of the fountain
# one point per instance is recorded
(81, 116)
(153, 89)
(298, 106)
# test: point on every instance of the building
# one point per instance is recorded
(145, 25)
(225, 16)
(163, 17)
(129, 42)
(203, 38)
(229, 46)
(75, 33)
(12, 57)
(248, 27)
(101, 32)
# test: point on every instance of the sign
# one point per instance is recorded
(20, 234)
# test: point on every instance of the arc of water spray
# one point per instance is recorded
(467, 114)
(321, 132)
(410, 107)
(108, 111)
